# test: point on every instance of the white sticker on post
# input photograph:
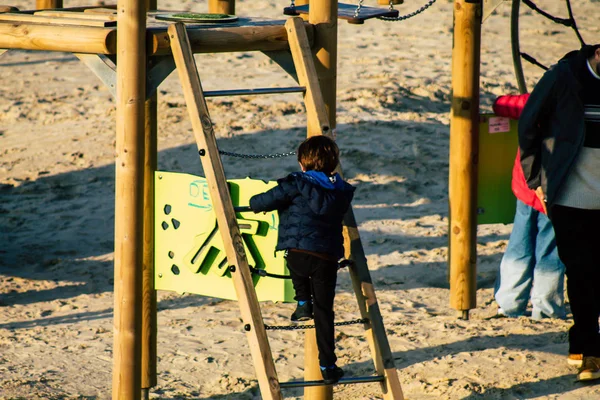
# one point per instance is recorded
(499, 125)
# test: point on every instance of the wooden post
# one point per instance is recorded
(221, 7)
(312, 371)
(323, 14)
(226, 218)
(149, 310)
(464, 144)
(48, 4)
(129, 206)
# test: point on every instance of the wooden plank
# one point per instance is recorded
(77, 15)
(71, 39)
(129, 202)
(226, 218)
(54, 21)
(316, 112)
(266, 37)
(464, 143)
(100, 11)
(369, 308)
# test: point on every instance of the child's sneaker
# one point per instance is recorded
(590, 370)
(303, 312)
(332, 375)
(575, 360)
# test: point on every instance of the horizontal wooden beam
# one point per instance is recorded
(98, 40)
(70, 39)
(51, 20)
(226, 40)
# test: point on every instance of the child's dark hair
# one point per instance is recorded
(319, 153)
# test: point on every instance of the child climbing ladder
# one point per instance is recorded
(226, 219)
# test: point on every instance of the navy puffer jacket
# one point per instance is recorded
(311, 208)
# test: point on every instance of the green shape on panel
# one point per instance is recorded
(189, 251)
(496, 202)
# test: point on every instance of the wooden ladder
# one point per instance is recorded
(269, 384)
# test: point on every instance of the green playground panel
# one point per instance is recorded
(498, 142)
(189, 251)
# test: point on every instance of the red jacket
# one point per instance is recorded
(511, 106)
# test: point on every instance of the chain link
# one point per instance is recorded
(299, 327)
(407, 16)
(256, 156)
(358, 7)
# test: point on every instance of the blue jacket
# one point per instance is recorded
(311, 208)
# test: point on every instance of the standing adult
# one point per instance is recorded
(559, 139)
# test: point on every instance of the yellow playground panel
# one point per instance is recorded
(189, 252)
(498, 142)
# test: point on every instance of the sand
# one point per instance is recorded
(57, 125)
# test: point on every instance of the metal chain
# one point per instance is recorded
(292, 4)
(299, 327)
(407, 16)
(255, 156)
(358, 7)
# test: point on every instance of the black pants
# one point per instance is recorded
(578, 242)
(315, 278)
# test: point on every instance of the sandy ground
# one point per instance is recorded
(57, 140)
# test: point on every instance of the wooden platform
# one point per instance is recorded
(91, 32)
(347, 11)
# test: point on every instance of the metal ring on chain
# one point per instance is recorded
(407, 16)
(300, 327)
(255, 156)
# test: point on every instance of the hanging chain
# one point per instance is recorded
(299, 327)
(292, 4)
(358, 7)
(256, 156)
(407, 16)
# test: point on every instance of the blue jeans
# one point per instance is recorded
(531, 267)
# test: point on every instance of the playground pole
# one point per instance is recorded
(48, 4)
(129, 198)
(464, 147)
(221, 7)
(323, 15)
(149, 317)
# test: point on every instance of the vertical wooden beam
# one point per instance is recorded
(149, 317)
(129, 202)
(149, 310)
(316, 113)
(323, 14)
(226, 219)
(48, 4)
(312, 370)
(221, 7)
(464, 147)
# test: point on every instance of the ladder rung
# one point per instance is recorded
(343, 381)
(252, 92)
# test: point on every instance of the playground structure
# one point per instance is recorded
(139, 40)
